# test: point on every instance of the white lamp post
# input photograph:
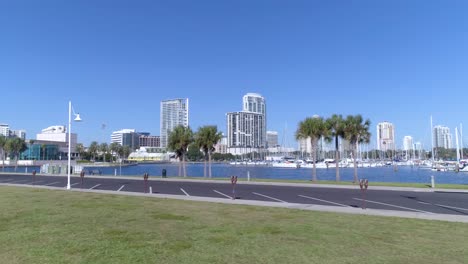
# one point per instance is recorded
(77, 118)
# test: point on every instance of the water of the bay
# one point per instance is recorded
(380, 174)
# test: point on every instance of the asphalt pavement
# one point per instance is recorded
(451, 205)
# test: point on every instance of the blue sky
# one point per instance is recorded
(396, 61)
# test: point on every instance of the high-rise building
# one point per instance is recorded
(385, 136)
(272, 139)
(408, 143)
(419, 149)
(246, 130)
(4, 130)
(255, 103)
(174, 112)
(126, 137)
(442, 137)
(20, 133)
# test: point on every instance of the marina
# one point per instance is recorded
(404, 174)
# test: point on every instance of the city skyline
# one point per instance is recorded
(117, 62)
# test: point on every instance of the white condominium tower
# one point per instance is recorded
(4, 130)
(385, 136)
(246, 130)
(272, 139)
(255, 103)
(174, 112)
(442, 137)
(408, 143)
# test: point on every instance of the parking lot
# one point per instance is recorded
(426, 202)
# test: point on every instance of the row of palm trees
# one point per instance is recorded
(353, 128)
(104, 150)
(11, 146)
(204, 139)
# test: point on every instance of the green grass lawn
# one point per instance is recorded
(46, 226)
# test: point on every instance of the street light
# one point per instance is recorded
(77, 119)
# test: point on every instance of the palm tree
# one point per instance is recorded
(93, 149)
(356, 131)
(80, 149)
(313, 128)
(336, 124)
(16, 146)
(43, 148)
(30, 143)
(126, 150)
(3, 141)
(179, 140)
(103, 148)
(205, 139)
(114, 148)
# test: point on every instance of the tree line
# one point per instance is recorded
(353, 128)
(11, 146)
(204, 139)
(103, 152)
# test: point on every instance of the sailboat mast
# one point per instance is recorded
(456, 141)
(461, 141)
(432, 140)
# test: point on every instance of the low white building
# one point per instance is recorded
(149, 154)
(59, 134)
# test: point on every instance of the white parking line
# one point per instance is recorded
(423, 202)
(392, 205)
(325, 201)
(452, 207)
(94, 186)
(34, 182)
(8, 181)
(272, 198)
(52, 183)
(19, 181)
(74, 183)
(184, 192)
(225, 195)
(121, 187)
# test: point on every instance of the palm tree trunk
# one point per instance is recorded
(16, 162)
(209, 164)
(314, 151)
(204, 167)
(355, 180)
(3, 160)
(180, 166)
(183, 165)
(337, 159)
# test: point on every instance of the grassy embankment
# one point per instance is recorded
(45, 226)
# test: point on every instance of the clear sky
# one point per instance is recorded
(396, 61)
